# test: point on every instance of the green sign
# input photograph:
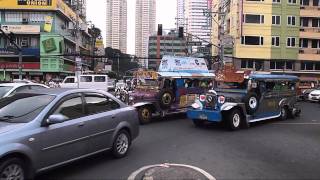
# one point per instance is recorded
(49, 45)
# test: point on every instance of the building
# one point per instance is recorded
(116, 22)
(273, 35)
(168, 44)
(80, 5)
(181, 21)
(197, 18)
(46, 32)
(145, 26)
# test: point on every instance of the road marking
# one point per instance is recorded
(299, 123)
(203, 172)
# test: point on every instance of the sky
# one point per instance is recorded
(166, 13)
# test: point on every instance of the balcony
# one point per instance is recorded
(310, 11)
(309, 54)
(310, 32)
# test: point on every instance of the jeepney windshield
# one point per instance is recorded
(231, 85)
(147, 83)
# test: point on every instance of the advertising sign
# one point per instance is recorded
(10, 65)
(48, 24)
(21, 29)
(35, 2)
(49, 45)
(28, 4)
(183, 64)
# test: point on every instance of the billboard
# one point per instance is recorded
(35, 2)
(183, 64)
(21, 29)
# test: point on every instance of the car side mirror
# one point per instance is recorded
(55, 119)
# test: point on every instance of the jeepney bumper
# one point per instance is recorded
(203, 114)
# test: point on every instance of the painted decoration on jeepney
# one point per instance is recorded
(146, 75)
(187, 100)
(183, 64)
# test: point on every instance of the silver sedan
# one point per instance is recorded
(40, 130)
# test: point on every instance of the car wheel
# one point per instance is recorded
(234, 119)
(13, 168)
(283, 113)
(198, 123)
(121, 144)
(145, 115)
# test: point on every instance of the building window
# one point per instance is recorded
(307, 66)
(255, 0)
(315, 43)
(281, 65)
(316, 22)
(291, 20)
(275, 41)
(251, 64)
(253, 18)
(276, 20)
(303, 43)
(304, 2)
(276, 1)
(252, 40)
(292, 1)
(304, 22)
(291, 42)
(316, 2)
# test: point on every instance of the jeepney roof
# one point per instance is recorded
(179, 75)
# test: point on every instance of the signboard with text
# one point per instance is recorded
(13, 65)
(21, 29)
(183, 64)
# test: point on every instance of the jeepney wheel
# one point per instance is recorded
(283, 113)
(166, 99)
(145, 115)
(234, 119)
(198, 123)
(252, 103)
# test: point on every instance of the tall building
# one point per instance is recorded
(145, 26)
(197, 23)
(279, 36)
(116, 36)
(181, 21)
(45, 33)
(167, 44)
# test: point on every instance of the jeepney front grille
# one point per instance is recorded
(211, 101)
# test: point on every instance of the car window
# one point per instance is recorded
(71, 108)
(19, 90)
(4, 90)
(86, 79)
(98, 103)
(69, 80)
(99, 79)
(21, 108)
(35, 87)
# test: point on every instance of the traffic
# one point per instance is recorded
(42, 128)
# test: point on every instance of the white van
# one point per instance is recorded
(99, 82)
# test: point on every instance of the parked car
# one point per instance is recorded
(314, 95)
(258, 97)
(99, 82)
(62, 126)
(305, 86)
(9, 89)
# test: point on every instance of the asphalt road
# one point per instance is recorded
(268, 150)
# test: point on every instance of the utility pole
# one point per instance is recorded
(18, 48)
(77, 35)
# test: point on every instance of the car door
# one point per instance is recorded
(104, 118)
(269, 99)
(68, 140)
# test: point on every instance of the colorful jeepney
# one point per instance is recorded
(172, 89)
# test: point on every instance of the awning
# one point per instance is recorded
(177, 75)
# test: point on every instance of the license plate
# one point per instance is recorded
(203, 117)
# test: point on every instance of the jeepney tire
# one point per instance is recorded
(234, 119)
(145, 115)
(284, 112)
(252, 103)
(198, 123)
(166, 98)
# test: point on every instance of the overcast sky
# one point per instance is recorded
(166, 13)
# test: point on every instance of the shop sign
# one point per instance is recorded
(10, 65)
(35, 2)
(21, 29)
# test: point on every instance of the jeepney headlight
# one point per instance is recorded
(131, 98)
(202, 98)
(221, 99)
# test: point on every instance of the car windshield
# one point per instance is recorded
(4, 90)
(21, 108)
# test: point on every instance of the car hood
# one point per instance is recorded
(6, 127)
(316, 92)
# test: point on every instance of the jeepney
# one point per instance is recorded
(172, 89)
(250, 98)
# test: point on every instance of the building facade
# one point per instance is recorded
(181, 21)
(46, 33)
(145, 26)
(273, 35)
(197, 18)
(116, 25)
(168, 44)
